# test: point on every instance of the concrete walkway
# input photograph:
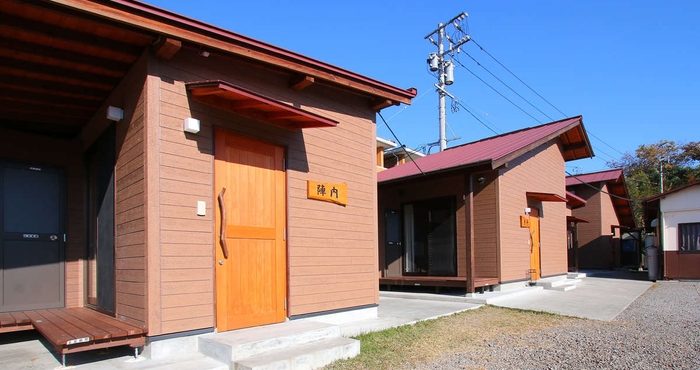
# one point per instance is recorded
(597, 297)
(395, 312)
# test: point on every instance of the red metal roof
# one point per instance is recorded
(497, 150)
(588, 178)
(617, 190)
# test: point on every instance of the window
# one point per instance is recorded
(689, 237)
(429, 237)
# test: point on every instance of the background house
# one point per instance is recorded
(167, 169)
(609, 214)
(389, 155)
(480, 214)
(674, 217)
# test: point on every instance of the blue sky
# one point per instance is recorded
(631, 68)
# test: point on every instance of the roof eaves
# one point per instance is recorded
(487, 162)
(526, 148)
(143, 15)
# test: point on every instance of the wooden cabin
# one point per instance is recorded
(609, 215)
(177, 176)
(488, 213)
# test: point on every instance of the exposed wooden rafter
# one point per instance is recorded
(379, 104)
(166, 48)
(300, 82)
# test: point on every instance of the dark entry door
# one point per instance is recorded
(31, 237)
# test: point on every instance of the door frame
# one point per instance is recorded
(219, 132)
(61, 172)
(535, 272)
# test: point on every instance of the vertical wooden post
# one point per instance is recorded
(469, 207)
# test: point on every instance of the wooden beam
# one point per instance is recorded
(46, 54)
(37, 32)
(85, 78)
(52, 88)
(166, 48)
(469, 209)
(379, 104)
(74, 80)
(300, 82)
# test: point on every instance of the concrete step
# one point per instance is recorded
(312, 355)
(576, 275)
(551, 284)
(244, 343)
(563, 285)
(495, 296)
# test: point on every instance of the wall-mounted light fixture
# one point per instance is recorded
(115, 114)
(204, 53)
(191, 125)
(480, 180)
(527, 211)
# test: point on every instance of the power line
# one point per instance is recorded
(473, 115)
(506, 85)
(536, 93)
(601, 190)
(399, 141)
(518, 78)
(497, 92)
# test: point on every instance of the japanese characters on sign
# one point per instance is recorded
(328, 192)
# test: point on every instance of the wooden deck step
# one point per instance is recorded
(72, 330)
(14, 321)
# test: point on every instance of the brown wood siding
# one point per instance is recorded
(541, 170)
(392, 196)
(42, 150)
(681, 265)
(594, 248)
(486, 225)
(609, 244)
(130, 214)
(331, 249)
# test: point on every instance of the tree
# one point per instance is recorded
(680, 163)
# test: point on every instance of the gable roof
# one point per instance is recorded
(617, 189)
(498, 150)
(674, 190)
(587, 178)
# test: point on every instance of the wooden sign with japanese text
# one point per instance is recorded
(328, 192)
(524, 221)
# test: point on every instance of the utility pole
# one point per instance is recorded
(661, 171)
(443, 67)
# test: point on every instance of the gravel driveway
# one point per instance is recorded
(659, 330)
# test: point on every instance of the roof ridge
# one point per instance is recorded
(515, 132)
(596, 172)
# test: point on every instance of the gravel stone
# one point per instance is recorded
(659, 330)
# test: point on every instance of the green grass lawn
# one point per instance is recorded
(428, 341)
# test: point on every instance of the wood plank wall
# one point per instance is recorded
(541, 170)
(486, 224)
(331, 249)
(65, 154)
(130, 247)
(590, 249)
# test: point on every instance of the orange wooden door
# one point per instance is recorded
(250, 225)
(534, 244)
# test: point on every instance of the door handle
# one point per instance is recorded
(222, 232)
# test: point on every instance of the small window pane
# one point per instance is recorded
(689, 237)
